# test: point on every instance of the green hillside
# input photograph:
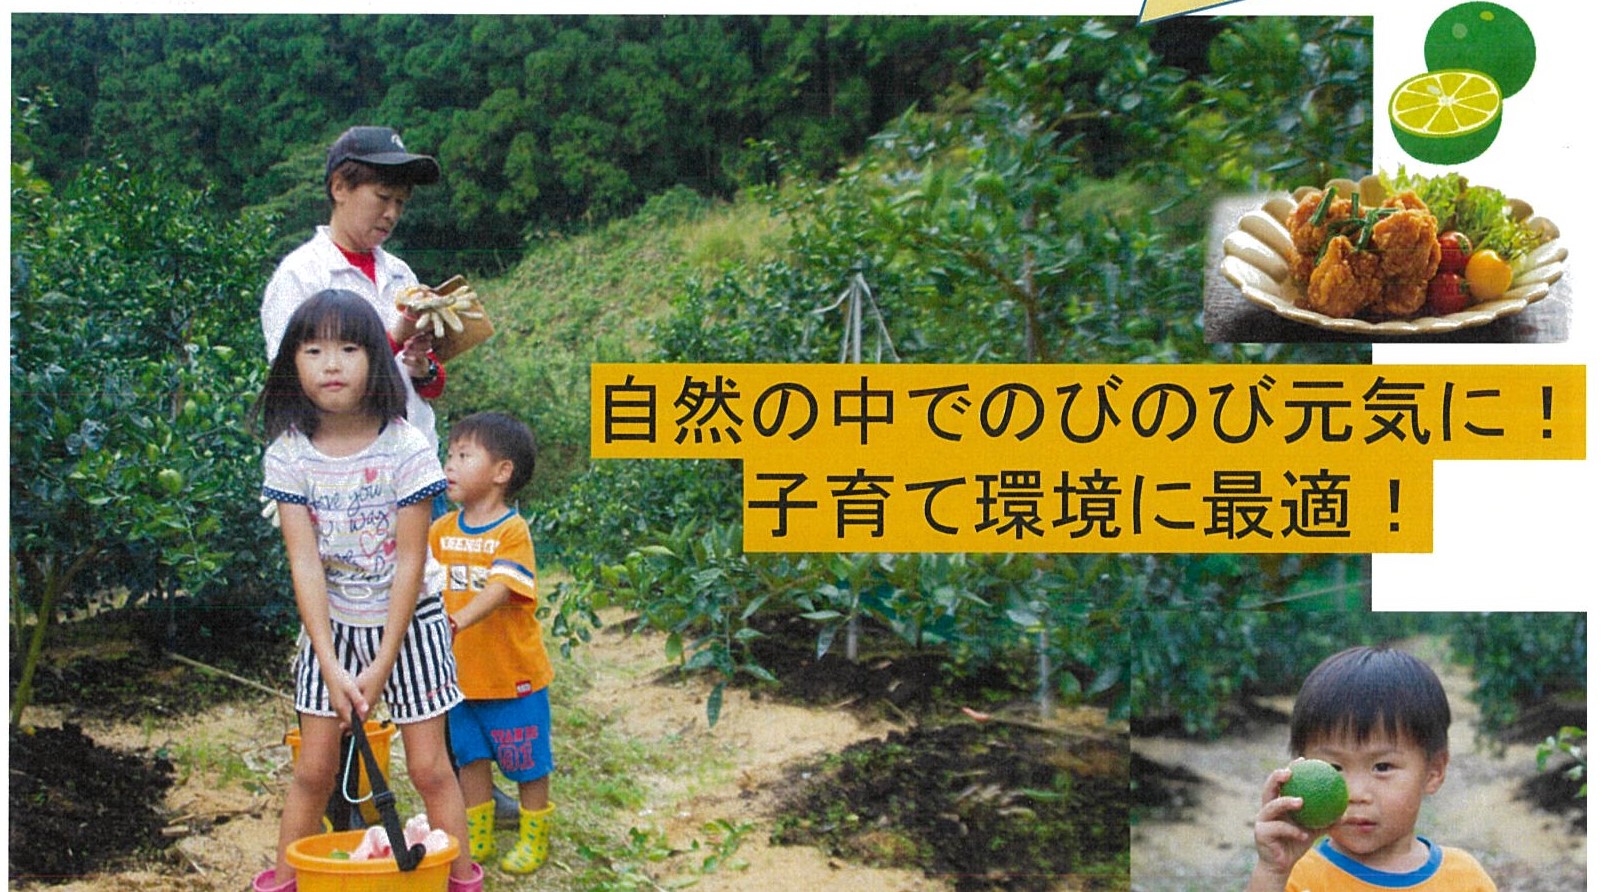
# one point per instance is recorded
(596, 298)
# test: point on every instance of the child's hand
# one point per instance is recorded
(1281, 842)
(345, 695)
(371, 685)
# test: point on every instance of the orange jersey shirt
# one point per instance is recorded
(503, 655)
(1323, 869)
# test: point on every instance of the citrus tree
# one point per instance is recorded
(1035, 218)
(1521, 661)
(1193, 667)
(134, 358)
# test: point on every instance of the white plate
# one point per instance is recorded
(1255, 261)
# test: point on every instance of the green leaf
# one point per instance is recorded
(759, 672)
(1027, 618)
(825, 640)
(755, 605)
(714, 704)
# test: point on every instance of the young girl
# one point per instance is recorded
(353, 480)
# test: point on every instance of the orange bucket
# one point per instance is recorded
(379, 735)
(317, 871)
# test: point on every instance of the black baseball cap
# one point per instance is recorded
(381, 147)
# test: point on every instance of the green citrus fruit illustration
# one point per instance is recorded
(1322, 790)
(1446, 117)
(1483, 37)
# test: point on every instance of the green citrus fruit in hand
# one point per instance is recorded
(1446, 117)
(1322, 791)
(1483, 37)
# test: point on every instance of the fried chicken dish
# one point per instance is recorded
(1352, 260)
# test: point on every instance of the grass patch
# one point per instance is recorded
(605, 837)
(744, 233)
(222, 765)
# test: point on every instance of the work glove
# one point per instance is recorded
(442, 309)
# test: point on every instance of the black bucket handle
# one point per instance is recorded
(406, 858)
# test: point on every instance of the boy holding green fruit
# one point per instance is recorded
(1379, 718)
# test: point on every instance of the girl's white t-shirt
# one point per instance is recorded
(354, 502)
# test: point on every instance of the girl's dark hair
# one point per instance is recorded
(505, 438)
(1363, 691)
(337, 315)
(356, 173)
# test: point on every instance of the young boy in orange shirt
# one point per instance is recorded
(501, 663)
(1380, 717)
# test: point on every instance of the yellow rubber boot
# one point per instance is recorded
(533, 841)
(481, 831)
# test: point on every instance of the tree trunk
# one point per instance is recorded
(1033, 351)
(1043, 642)
(55, 581)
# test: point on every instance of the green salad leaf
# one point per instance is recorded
(1479, 212)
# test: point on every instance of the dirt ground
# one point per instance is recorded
(1207, 844)
(762, 738)
(222, 828)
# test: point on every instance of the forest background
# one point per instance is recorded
(673, 188)
(653, 188)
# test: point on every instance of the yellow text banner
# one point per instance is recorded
(1148, 458)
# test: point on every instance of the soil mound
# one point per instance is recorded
(77, 806)
(991, 806)
(886, 670)
(1556, 792)
(119, 668)
(1162, 791)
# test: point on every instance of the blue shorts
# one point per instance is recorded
(516, 733)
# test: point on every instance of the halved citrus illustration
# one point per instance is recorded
(1446, 117)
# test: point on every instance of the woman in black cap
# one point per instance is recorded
(369, 178)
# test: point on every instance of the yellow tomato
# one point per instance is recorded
(1487, 274)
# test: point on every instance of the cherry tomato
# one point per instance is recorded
(1446, 295)
(1487, 274)
(1455, 250)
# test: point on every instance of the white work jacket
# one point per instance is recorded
(319, 265)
